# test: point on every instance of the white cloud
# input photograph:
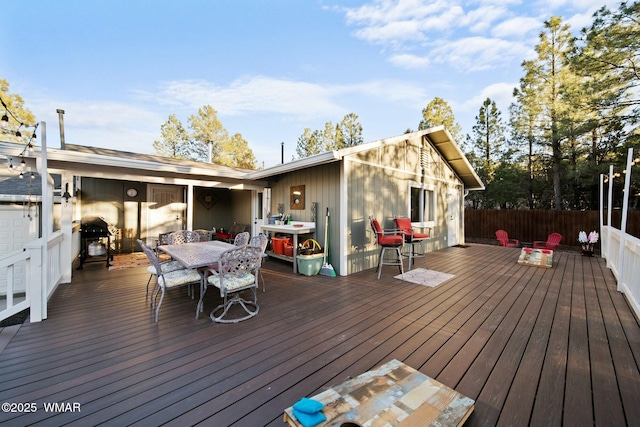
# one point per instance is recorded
(501, 93)
(390, 22)
(410, 61)
(252, 94)
(478, 53)
(516, 27)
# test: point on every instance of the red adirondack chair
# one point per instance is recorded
(551, 243)
(504, 240)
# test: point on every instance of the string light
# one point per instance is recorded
(4, 124)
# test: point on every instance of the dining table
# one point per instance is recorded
(197, 255)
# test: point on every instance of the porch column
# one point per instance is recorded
(190, 201)
(66, 227)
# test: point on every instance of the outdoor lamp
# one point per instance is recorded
(66, 196)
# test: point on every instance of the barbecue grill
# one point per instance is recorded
(93, 232)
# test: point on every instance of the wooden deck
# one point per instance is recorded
(532, 346)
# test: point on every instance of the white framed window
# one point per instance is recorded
(422, 204)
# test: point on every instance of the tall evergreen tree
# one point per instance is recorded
(487, 143)
(236, 152)
(351, 130)
(550, 76)
(438, 112)
(207, 135)
(175, 140)
(309, 143)
(208, 139)
(524, 114)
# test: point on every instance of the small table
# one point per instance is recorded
(197, 255)
(393, 394)
(294, 229)
(536, 257)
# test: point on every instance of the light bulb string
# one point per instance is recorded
(18, 134)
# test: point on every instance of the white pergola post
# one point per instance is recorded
(623, 223)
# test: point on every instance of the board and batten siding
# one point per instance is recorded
(379, 181)
(322, 186)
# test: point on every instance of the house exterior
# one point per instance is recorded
(422, 174)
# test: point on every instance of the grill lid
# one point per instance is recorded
(94, 226)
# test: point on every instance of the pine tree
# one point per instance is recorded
(351, 130)
(175, 140)
(309, 143)
(550, 77)
(438, 112)
(208, 136)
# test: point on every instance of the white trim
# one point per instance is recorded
(433, 207)
(343, 218)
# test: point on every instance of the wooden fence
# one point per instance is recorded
(530, 225)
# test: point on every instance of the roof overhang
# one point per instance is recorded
(315, 160)
(442, 141)
(111, 164)
(439, 137)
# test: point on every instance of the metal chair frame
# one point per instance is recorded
(234, 267)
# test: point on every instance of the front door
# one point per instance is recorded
(259, 210)
(165, 210)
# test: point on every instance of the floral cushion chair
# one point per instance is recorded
(237, 272)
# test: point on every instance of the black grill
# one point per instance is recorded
(94, 230)
(94, 227)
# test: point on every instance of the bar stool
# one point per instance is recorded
(412, 238)
(387, 241)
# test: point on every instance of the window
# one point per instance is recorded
(422, 204)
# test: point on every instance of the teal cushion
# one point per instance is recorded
(310, 406)
(233, 281)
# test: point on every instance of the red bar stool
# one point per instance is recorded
(387, 240)
(413, 238)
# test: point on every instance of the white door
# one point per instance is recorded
(16, 229)
(453, 218)
(260, 210)
(165, 210)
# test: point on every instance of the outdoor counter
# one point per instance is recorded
(306, 228)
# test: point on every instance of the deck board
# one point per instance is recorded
(533, 346)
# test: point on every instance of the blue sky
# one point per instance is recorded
(270, 68)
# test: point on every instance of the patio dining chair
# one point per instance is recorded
(504, 240)
(261, 241)
(166, 266)
(168, 280)
(237, 273)
(183, 236)
(205, 235)
(552, 242)
(241, 239)
(413, 238)
(387, 239)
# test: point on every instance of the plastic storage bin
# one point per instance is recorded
(288, 249)
(309, 265)
(277, 244)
